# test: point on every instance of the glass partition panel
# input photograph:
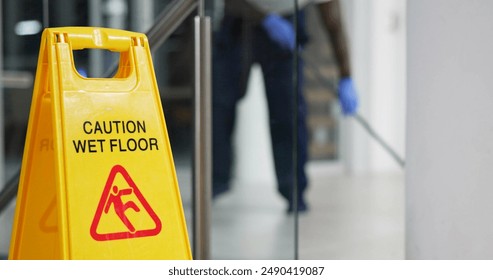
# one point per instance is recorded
(255, 105)
(275, 135)
(354, 69)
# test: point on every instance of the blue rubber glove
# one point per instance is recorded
(348, 96)
(280, 31)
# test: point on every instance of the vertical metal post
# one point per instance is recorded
(4, 221)
(296, 103)
(141, 14)
(46, 13)
(2, 113)
(2, 159)
(203, 141)
(96, 67)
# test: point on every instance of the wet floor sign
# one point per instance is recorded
(97, 178)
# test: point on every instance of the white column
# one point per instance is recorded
(376, 31)
(354, 143)
(449, 185)
(387, 76)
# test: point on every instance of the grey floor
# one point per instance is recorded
(350, 217)
(7, 216)
(353, 217)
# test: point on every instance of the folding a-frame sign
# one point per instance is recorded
(97, 178)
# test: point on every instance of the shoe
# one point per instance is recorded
(302, 206)
(219, 189)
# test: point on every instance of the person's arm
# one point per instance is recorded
(331, 16)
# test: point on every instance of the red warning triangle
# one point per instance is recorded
(112, 203)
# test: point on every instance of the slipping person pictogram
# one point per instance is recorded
(115, 199)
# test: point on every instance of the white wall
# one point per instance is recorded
(354, 143)
(450, 130)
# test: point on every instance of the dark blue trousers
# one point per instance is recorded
(238, 45)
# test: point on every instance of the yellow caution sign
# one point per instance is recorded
(97, 178)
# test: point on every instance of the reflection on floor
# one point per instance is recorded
(251, 223)
(351, 217)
